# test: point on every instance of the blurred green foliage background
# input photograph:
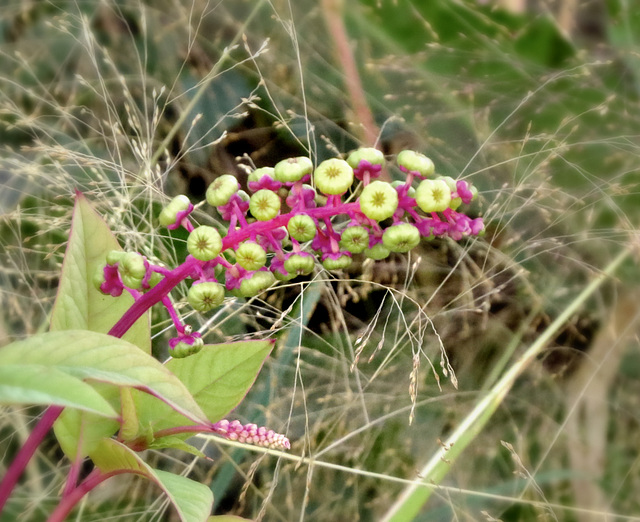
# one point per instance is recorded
(536, 103)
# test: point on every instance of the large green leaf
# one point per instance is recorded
(218, 377)
(37, 384)
(101, 357)
(192, 500)
(106, 359)
(79, 305)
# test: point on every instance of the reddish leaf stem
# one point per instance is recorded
(26, 452)
(68, 502)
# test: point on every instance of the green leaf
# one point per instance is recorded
(176, 443)
(192, 500)
(79, 305)
(107, 359)
(218, 377)
(78, 433)
(37, 384)
(226, 518)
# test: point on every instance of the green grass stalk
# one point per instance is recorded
(415, 496)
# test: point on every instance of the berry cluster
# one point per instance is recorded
(294, 215)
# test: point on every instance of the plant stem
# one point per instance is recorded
(26, 452)
(410, 502)
(180, 273)
(68, 502)
(333, 13)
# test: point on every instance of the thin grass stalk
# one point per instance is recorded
(415, 496)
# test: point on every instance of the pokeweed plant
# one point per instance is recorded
(108, 399)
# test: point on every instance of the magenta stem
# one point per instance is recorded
(72, 478)
(26, 452)
(68, 503)
(171, 280)
(177, 430)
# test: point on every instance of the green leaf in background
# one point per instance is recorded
(37, 384)
(106, 359)
(79, 305)
(192, 500)
(218, 377)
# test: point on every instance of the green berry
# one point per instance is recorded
(451, 183)
(415, 162)
(204, 243)
(401, 238)
(333, 176)
(379, 200)
(373, 156)
(251, 256)
(98, 276)
(293, 169)
(256, 284)
(205, 296)
(411, 192)
(183, 349)
(154, 280)
(169, 213)
(220, 191)
(257, 174)
(377, 252)
(433, 195)
(354, 239)
(132, 269)
(298, 264)
(337, 264)
(264, 205)
(302, 228)
(115, 256)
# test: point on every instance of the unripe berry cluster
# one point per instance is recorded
(293, 215)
